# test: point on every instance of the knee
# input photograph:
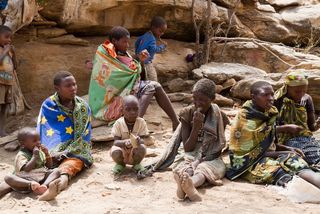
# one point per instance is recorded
(117, 155)
(141, 150)
(56, 172)
(9, 179)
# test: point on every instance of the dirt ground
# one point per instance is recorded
(96, 191)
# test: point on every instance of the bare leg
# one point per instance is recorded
(53, 176)
(198, 179)
(138, 154)
(189, 189)
(21, 184)
(144, 102)
(3, 118)
(117, 155)
(166, 105)
(311, 177)
(52, 192)
(4, 189)
(63, 182)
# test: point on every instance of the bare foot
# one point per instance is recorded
(52, 192)
(63, 182)
(37, 188)
(180, 193)
(189, 189)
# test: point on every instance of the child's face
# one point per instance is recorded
(130, 111)
(264, 99)
(158, 32)
(67, 89)
(297, 92)
(122, 44)
(201, 101)
(5, 38)
(30, 142)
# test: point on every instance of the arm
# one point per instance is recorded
(121, 143)
(32, 163)
(154, 48)
(289, 128)
(5, 52)
(49, 162)
(190, 135)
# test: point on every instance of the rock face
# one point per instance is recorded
(271, 58)
(286, 21)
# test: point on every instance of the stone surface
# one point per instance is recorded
(12, 146)
(176, 85)
(228, 84)
(101, 134)
(68, 40)
(179, 97)
(223, 101)
(272, 58)
(220, 72)
(51, 32)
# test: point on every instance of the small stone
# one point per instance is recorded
(223, 101)
(68, 40)
(112, 187)
(177, 85)
(51, 32)
(228, 84)
(12, 146)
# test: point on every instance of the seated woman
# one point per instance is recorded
(253, 153)
(202, 133)
(116, 74)
(297, 114)
(65, 129)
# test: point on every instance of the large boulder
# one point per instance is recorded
(97, 17)
(221, 72)
(272, 58)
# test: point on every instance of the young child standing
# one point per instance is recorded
(31, 167)
(128, 132)
(6, 74)
(148, 41)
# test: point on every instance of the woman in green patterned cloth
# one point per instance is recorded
(253, 154)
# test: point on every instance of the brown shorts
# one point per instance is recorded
(5, 94)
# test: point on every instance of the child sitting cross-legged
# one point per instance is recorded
(32, 167)
(128, 132)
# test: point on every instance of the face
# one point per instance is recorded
(264, 98)
(31, 141)
(67, 89)
(130, 111)
(158, 32)
(5, 38)
(201, 101)
(122, 44)
(297, 92)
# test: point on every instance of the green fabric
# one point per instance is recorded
(111, 80)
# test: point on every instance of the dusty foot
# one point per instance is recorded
(37, 188)
(63, 183)
(218, 183)
(189, 189)
(52, 192)
(180, 193)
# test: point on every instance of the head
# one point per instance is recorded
(158, 26)
(262, 95)
(119, 37)
(203, 94)
(5, 35)
(29, 138)
(65, 85)
(130, 108)
(297, 85)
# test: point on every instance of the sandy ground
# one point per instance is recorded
(96, 191)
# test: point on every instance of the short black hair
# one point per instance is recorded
(4, 29)
(60, 76)
(130, 98)
(25, 133)
(157, 22)
(118, 32)
(206, 87)
(255, 87)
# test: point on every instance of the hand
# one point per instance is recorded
(143, 55)
(36, 151)
(293, 129)
(44, 149)
(198, 118)
(128, 144)
(317, 123)
(7, 48)
(163, 42)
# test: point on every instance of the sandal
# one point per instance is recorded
(118, 169)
